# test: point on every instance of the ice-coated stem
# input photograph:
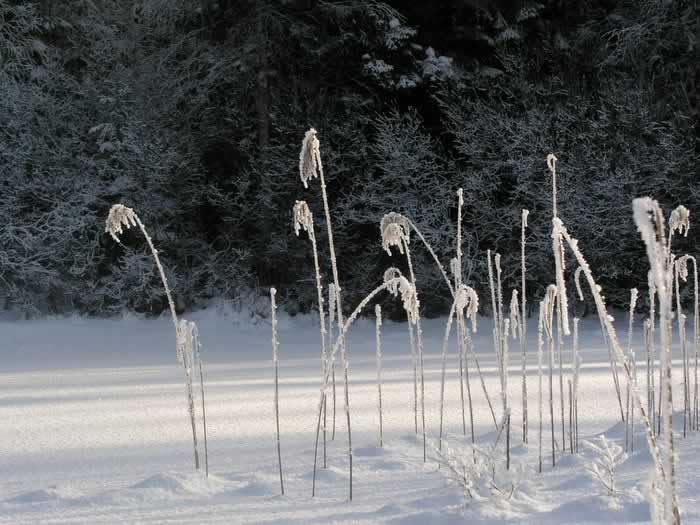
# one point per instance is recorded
(378, 321)
(275, 363)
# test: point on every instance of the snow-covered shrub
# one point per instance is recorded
(608, 456)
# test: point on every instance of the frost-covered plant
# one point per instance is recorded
(394, 283)
(548, 324)
(608, 457)
(523, 321)
(466, 303)
(304, 220)
(186, 342)
(378, 315)
(629, 420)
(650, 223)
(540, 344)
(331, 322)
(497, 333)
(576, 367)
(198, 359)
(681, 273)
(311, 167)
(275, 365)
(395, 232)
(122, 218)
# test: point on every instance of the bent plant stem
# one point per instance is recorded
(342, 331)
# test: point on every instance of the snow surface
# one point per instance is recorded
(95, 430)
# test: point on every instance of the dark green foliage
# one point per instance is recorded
(193, 113)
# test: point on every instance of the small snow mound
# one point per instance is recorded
(181, 484)
(162, 482)
(369, 452)
(52, 494)
(255, 488)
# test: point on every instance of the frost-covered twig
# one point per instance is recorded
(275, 364)
(198, 359)
(378, 322)
(304, 220)
(523, 321)
(540, 344)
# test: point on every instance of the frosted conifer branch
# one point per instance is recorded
(120, 217)
(395, 231)
(310, 158)
(303, 218)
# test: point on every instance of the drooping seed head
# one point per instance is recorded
(395, 231)
(552, 162)
(309, 158)
(390, 277)
(467, 302)
(303, 218)
(682, 267)
(120, 217)
(397, 285)
(680, 220)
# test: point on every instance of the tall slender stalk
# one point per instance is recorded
(303, 219)
(198, 358)
(634, 294)
(457, 272)
(331, 322)
(523, 320)
(395, 230)
(275, 364)
(550, 300)
(681, 272)
(576, 367)
(378, 315)
(540, 345)
(310, 166)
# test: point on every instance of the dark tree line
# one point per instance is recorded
(193, 111)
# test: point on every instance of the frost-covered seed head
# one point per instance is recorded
(119, 218)
(409, 297)
(460, 197)
(552, 162)
(303, 218)
(467, 302)
(524, 215)
(395, 231)
(397, 285)
(390, 279)
(680, 220)
(309, 158)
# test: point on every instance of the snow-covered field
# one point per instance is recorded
(94, 429)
